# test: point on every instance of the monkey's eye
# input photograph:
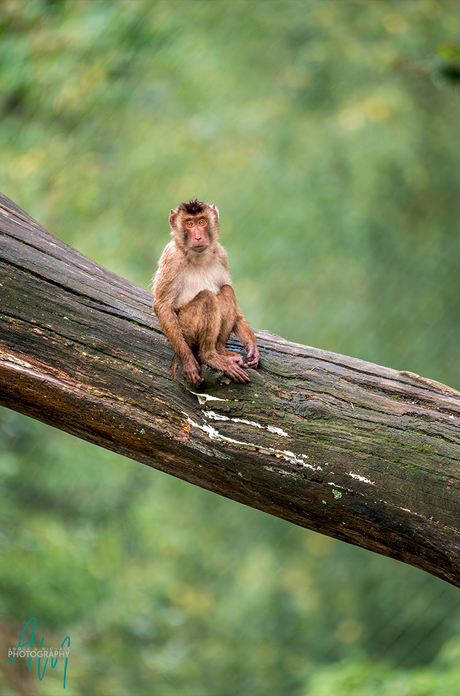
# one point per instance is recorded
(189, 223)
(202, 222)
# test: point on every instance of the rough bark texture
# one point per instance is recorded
(359, 452)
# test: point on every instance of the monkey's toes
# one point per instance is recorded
(236, 358)
(238, 374)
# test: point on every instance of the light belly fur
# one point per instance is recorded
(196, 279)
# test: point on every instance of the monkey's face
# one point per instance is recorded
(196, 231)
(195, 226)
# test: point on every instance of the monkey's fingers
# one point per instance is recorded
(194, 377)
(196, 380)
(251, 363)
(192, 373)
(252, 359)
(237, 373)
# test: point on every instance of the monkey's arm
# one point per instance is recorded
(241, 328)
(164, 294)
(245, 335)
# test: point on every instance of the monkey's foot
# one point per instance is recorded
(228, 365)
(235, 357)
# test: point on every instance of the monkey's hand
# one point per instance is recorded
(253, 354)
(191, 368)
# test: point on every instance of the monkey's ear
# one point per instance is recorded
(172, 217)
(214, 210)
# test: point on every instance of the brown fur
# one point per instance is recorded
(192, 207)
(194, 300)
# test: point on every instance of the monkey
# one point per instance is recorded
(194, 299)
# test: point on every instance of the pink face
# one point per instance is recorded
(196, 227)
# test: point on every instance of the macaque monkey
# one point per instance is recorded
(194, 300)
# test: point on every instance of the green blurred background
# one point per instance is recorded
(328, 135)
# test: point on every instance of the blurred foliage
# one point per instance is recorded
(327, 134)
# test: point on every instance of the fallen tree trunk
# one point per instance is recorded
(359, 452)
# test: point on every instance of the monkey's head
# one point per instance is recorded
(194, 225)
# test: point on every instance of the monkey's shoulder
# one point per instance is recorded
(220, 253)
(172, 255)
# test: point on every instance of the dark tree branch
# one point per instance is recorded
(360, 452)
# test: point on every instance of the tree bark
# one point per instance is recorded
(359, 452)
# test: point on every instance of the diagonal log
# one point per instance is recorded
(353, 450)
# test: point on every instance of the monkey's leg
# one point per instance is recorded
(199, 321)
(193, 320)
(202, 321)
(228, 312)
(236, 322)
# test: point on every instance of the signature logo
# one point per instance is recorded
(27, 649)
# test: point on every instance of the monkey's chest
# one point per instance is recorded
(195, 279)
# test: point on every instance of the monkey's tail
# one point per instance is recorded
(174, 368)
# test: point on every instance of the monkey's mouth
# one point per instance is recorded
(199, 247)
